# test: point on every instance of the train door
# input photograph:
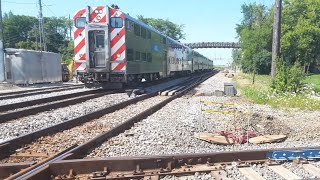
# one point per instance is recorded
(192, 65)
(165, 64)
(97, 49)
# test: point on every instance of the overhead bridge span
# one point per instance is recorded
(198, 45)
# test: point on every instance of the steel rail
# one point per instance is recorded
(153, 166)
(40, 92)
(7, 148)
(37, 89)
(23, 104)
(31, 111)
(81, 150)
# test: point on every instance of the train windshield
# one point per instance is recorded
(80, 22)
(116, 22)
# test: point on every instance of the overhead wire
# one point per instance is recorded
(14, 2)
(49, 9)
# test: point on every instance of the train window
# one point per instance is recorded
(143, 32)
(80, 22)
(116, 22)
(138, 58)
(130, 54)
(149, 35)
(137, 29)
(100, 41)
(143, 56)
(129, 25)
(149, 57)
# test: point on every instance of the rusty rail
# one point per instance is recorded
(31, 111)
(58, 89)
(33, 90)
(152, 166)
(9, 147)
(81, 150)
(46, 100)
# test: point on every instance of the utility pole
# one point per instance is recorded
(276, 37)
(41, 29)
(2, 70)
(70, 28)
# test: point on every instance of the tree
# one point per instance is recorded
(167, 27)
(301, 32)
(16, 28)
(236, 56)
(23, 32)
(255, 35)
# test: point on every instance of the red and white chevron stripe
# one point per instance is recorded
(98, 14)
(79, 44)
(117, 39)
(117, 44)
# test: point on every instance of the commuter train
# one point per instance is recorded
(114, 49)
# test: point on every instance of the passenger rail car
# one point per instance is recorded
(115, 49)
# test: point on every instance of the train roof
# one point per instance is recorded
(157, 31)
(153, 29)
(127, 16)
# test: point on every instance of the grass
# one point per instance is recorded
(261, 93)
(314, 80)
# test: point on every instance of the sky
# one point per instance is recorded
(204, 20)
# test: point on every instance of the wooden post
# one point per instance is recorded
(276, 37)
(2, 69)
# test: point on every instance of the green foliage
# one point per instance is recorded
(67, 53)
(23, 32)
(288, 78)
(255, 34)
(16, 28)
(300, 36)
(262, 94)
(314, 81)
(256, 96)
(167, 27)
(300, 40)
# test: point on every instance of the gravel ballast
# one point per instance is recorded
(171, 130)
(36, 122)
(41, 96)
(60, 141)
(42, 120)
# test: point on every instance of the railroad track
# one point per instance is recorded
(19, 94)
(9, 153)
(251, 165)
(27, 108)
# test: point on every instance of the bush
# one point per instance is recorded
(288, 78)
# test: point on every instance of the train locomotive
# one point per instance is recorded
(115, 49)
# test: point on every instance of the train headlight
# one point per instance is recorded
(118, 55)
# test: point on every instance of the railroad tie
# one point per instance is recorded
(250, 174)
(155, 177)
(221, 174)
(284, 172)
(312, 169)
